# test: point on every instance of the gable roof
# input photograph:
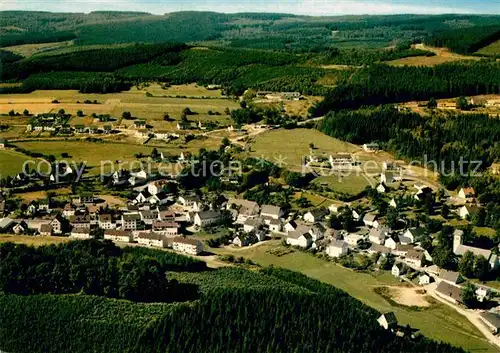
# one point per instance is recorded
(46, 228)
(187, 241)
(270, 209)
(208, 214)
(450, 291)
(449, 276)
(492, 318)
(390, 318)
(370, 217)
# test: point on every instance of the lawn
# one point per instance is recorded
(11, 163)
(490, 50)
(351, 184)
(287, 147)
(439, 322)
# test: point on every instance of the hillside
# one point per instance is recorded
(270, 310)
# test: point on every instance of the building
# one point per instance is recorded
(80, 233)
(151, 239)
(317, 231)
(377, 236)
(274, 225)
(57, 224)
(371, 147)
(46, 230)
(397, 269)
(391, 243)
(106, 221)
(246, 209)
(130, 221)
(393, 203)
(337, 248)
(166, 228)
(352, 239)
(189, 201)
(424, 279)
(450, 277)
(118, 235)
(271, 211)
(415, 257)
(315, 215)
(370, 220)
(388, 321)
(390, 177)
(188, 246)
(3, 143)
(460, 249)
(206, 218)
(252, 224)
(411, 235)
(449, 292)
(300, 239)
(68, 210)
(341, 160)
(467, 193)
(381, 189)
(148, 216)
(491, 321)
(468, 211)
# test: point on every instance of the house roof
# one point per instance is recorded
(416, 232)
(390, 318)
(492, 318)
(318, 212)
(131, 217)
(296, 235)
(450, 291)
(208, 214)
(151, 236)
(379, 248)
(270, 209)
(449, 276)
(161, 224)
(462, 249)
(337, 243)
(415, 254)
(46, 228)
(376, 233)
(370, 217)
(117, 233)
(469, 191)
(471, 209)
(187, 241)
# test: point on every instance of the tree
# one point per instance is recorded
(227, 111)
(462, 103)
(469, 295)
(243, 104)
(443, 257)
(392, 217)
(12, 112)
(26, 112)
(432, 103)
(79, 113)
(226, 142)
(481, 267)
(187, 111)
(155, 154)
(445, 211)
(166, 116)
(466, 265)
(61, 111)
(126, 115)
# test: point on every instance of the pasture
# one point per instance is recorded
(287, 147)
(28, 50)
(439, 321)
(491, 50)
(11, 162)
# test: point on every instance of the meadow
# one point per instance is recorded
(491, 50)
(439, 322)
(11, 163)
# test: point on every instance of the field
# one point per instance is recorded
(35, 241)
(491, 50)
(11, 163)
(442, 56)
(149, 108)
(287, 147)
(28, 50)
(352, 184)
(438, 321)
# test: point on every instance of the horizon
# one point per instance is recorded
(300, 7)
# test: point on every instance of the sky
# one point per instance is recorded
(302, 7)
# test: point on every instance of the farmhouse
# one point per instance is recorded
(271, 211)
(188, 246)
(337, 248)
(46, 230)
(118, 235)
(205, 218)
(315, 215)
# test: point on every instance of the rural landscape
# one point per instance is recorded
(249, 182)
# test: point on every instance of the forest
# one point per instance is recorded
(237, 311)
(380, 84)
(444, 138)
(465, 40)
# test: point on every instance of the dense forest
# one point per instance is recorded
(379, 84)
(270, 310)
(441, 138)
(465, 40)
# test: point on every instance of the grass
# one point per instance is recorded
(11, 163)
(32, 240)
(28, 50)
(439, 322)
(485, 231)
(442, 56)
(352, 184)
(491, 50)
(288, 147)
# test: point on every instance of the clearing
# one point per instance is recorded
(408, 296)
(28, 50)
(491, 50)
(442, 56)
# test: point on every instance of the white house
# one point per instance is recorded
(165, 228)
(315, 215)
(468, 210)
(335, 207)
(371, 147)
(393, 203)
(424, 279)
(370, 220)
(118, 235)
(381, 189)
(252, 224)
(411, 235)
(187, 245)
(295, 238)
(151, 239)
(377, 236)
(80, 233)
(390, 177)
(274, 225)
(415, 257)
(317, 231)
(205, 218)
(290, 226)
(68, 210)
(189, 201)
(130, 221)
(391, 243)
(397, 269)
(467, 193)
(352, 239)
(271, 211)
(337, 248)
(388, 321)
(106, 221)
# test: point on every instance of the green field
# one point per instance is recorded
(491, 50)
(351, 184)
(288, 147)
(439, 322)
(11, 163)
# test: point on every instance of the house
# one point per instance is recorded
(356, 216)
(422, 191)
(271, 211)
(468, 211)
(106, 221)
(154, 187)
(341, 160)
(467, 193)
(317, 231)
(148, 216)
(246, 209)
(290, 226)
(46, 230)
(370, 220)
(130, 221)
(393, 203)
(402, 250)
(411, 235)
(151, 239)
(415, 257)
(315, 215)
(252, 224)
(377, 236)
(166, 228)
(57, 224)
(160, 198)
(20, 228)
(335, 207)
(397, 269)
(80, 233)
(80, 221)
(3, 143)
(118, 235)
(376, 248)
(242, 240)
(491, 320)
(337, 248)
(371, 147)
(391, 243)
(44, 205)
(205, 218)
(6, 224)
(390, 177)
(381, 189)
(460, 249)
(189, 201)
(352, 239)
(85, 198)
(482, 293)
(449, 292)
(388, 321)
(301, 239)
(274, 225)
(187, 245)
(450, 277)
(68, 210)
(139, 124)
(424, 279)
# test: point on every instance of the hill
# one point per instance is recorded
(270, 310)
